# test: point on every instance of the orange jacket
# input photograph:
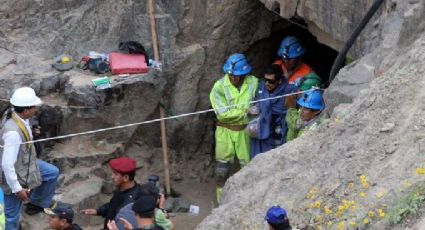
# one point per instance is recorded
(301, 72)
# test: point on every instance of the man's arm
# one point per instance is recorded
(12, 142)
(102, 210)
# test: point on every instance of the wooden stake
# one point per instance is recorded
(161, 109)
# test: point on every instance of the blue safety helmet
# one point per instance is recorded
(237, 65)
(290, 48)
(276, 215)
(312, 100)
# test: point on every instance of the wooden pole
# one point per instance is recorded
(161, 109)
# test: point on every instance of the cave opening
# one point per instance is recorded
(318, 56)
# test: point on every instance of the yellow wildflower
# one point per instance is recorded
(420, 171)
(362, 194)
(328, 211)
(317, 204)
(371, 214)
(313, 190)
(381, 213)
(311, 206)
(366, 221)
(330, 223)
(310, 196)
(341, 225)
(338, 213)
(381, 194)
(318, 219)
(353, 224)
(363, 181)
(353, 208)
(407, 184)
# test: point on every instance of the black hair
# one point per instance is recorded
(283, 226)
(149, 215)
(131, 175)
(276, 70)
(149, 189)
(20, 109)
(68, 220)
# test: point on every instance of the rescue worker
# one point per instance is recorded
(61, 217)
(230, 97)
(25, 178)
(307, 118)
(144, 209)
(277, 219)
(294, 69)
(270, 124)
(123, 173)
(161, 216)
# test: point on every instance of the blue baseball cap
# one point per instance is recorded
(276, 215)
(62, 210)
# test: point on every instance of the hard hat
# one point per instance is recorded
(276, 215)
(312, 100)
(24, 97)
(237, 65)
(63, 62)
(290, 48)
(309, 81)
(65, 59)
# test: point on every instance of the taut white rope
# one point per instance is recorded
(155, 120)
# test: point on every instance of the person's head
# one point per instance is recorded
(273, 77)
(149, 189)
(123, 171)
(312, 104)
(60, 217)
(144, 208)
(277, 218)
(310, 81)
(291, 52)
(25, 102)
(237, 67)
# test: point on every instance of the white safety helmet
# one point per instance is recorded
(24, 97)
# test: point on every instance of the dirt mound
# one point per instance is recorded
(363, 168)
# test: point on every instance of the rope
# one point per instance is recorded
(154, 120)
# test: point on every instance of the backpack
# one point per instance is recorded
(133, 47)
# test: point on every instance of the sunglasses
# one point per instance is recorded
(270, 81)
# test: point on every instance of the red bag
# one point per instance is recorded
(127, 63)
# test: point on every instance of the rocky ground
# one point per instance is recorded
(364, 167)
(378, 136)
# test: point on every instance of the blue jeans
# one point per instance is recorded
(41, 196)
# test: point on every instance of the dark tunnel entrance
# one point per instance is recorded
(318, 56)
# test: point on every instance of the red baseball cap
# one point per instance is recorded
(123, 165)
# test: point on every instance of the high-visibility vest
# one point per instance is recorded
(224, 95)
(301, 72)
